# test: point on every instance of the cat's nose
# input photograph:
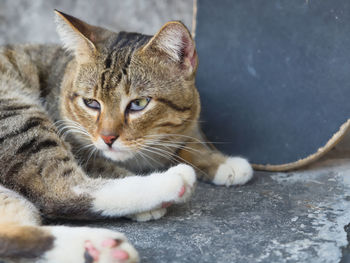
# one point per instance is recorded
(109, 139)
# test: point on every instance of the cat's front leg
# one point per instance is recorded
(101, 167)
(211, 165)
(142, 198)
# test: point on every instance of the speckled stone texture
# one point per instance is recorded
(282, 217)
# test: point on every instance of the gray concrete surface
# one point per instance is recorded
(282, 217)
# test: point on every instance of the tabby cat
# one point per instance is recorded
(76, 128)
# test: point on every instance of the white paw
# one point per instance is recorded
(149, 215)
(182, 183)
(235, 171)
(83, 244)
(137, 194)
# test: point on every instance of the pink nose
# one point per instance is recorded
(109, 139)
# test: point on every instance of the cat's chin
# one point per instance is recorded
(118, 156)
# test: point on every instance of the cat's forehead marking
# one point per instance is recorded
(119, 51)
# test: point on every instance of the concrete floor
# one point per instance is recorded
(282, 217)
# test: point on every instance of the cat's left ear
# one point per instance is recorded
(175, 42)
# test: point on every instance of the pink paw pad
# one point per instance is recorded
(182, 191)
(166, 204)
(120, 254)
(91, 253)
(110, 242)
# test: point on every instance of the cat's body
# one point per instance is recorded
(129, 95)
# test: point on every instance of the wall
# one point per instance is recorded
(26, 21)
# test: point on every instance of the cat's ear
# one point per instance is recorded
(175, 42)
(77, 36)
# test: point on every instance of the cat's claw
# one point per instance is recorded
(235, 171)
(166, 204)
(149, 215)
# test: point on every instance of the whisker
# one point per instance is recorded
(140, 153)
(175, 145)
(143, 147)
(65, 129)
(90, 155)
(172, 155)
(195, 140)
(96, 153)
(187, 120)
(72, 131)
(72, 127)
(84, 147)
(136, 157)
(69, 124)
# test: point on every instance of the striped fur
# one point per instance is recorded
(53, 152)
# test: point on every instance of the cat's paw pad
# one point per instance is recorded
(116, 253)
(235, 171)
(149, 215)
(187, 177)
(89, 245)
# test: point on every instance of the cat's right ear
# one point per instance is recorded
(174, 42)
(77, 36)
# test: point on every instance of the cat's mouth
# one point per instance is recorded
(118, 155)
(117, 151)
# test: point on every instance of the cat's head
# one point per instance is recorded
(129, 92)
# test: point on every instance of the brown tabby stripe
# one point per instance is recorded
(6, 100)
(33, 146)
(14, 169)
(103, 78)
(113, 43)
(8, 115)
(127, 88)
(16, 107)
(172, 105)
(170, 124)
(67, 172)
(64, 159)
(44, 90)
(108, 62)
(32, 122)
(121, 49)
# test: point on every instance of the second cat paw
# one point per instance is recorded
(234, 171)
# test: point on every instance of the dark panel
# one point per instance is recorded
(273, 75)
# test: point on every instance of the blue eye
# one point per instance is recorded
(138, 104)
(92, 104)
